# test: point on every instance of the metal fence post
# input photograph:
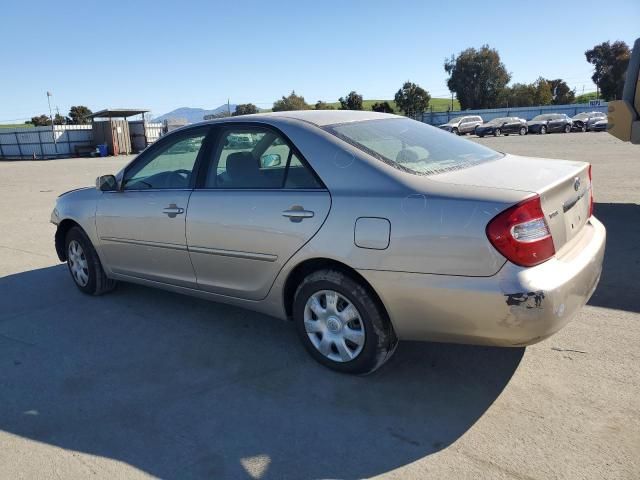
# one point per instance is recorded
(1, 152)
(18, 142)
(40, 141)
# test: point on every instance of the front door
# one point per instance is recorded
(142, 226)
(260, 203)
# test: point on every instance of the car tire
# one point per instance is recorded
(357, 346)
(497, 132)
(567, 128)
(522, 131)
(480, 136)
(84, 264)
(455, 131)
(584, 129)
(543, 130)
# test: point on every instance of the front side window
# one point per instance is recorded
(168, 167)
(413, 146)
(257, 158)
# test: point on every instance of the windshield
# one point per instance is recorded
(581, 116)
(542, 117)
(413, 146)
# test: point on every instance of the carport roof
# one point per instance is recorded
(117, 112)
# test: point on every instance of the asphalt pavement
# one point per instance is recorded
(144, 383)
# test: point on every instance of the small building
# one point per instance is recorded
(111, 127)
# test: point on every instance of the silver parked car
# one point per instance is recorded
(585, 121)
(363, 228)
(462, 125)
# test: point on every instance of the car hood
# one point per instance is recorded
(75, 190)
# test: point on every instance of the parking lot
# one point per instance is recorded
(145, 383)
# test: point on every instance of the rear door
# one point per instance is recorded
(512, 125)
(142, 226)
(258, 204)
(556, 124)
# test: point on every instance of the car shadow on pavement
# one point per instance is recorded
(619, 286)
(183, 388)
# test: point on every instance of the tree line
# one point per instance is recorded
(78, 115)
(480, 80)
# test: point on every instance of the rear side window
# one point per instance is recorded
(413, 146)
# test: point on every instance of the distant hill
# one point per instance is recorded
(193, 115)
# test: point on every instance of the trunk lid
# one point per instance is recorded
(563, 186)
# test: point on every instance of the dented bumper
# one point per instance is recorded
(517, 306)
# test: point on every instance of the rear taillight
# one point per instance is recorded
(590, 192)
(521, 234)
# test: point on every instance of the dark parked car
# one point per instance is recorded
(600, 125)
(583, 122)
(550, 122)
(502, 125)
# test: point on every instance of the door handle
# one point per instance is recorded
(172, 210)
(297, 213)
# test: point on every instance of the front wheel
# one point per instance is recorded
(84, 265)
(497, 132)
(567, 128)
(455, 131)
(341, 324)
(523, 131)
(543, 130)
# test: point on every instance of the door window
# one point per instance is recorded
(168, 167)
(256, 158)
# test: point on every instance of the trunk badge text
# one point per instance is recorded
(576, 184)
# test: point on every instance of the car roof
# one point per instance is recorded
(320, 118)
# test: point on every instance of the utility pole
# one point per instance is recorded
(452, 101)
(53, 132)
(228, 106)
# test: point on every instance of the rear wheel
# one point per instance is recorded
(497, 132)
(341, 324)
(567, 128)
(522, 131)
(543, 130)
(455, 131)
(84, 265)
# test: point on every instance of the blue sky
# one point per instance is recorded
(162, 56)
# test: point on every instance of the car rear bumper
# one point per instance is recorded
(517, 306)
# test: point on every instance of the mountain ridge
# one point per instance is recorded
(193, 114)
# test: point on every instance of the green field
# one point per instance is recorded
(15, 125)
(438, 104)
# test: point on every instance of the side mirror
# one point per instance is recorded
(624, 115)
(106, 183)
(271, 160)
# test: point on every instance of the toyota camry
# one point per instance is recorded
(362, 228)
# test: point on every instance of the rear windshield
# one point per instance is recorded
(413, 146)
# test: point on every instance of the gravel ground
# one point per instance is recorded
(147, 383)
